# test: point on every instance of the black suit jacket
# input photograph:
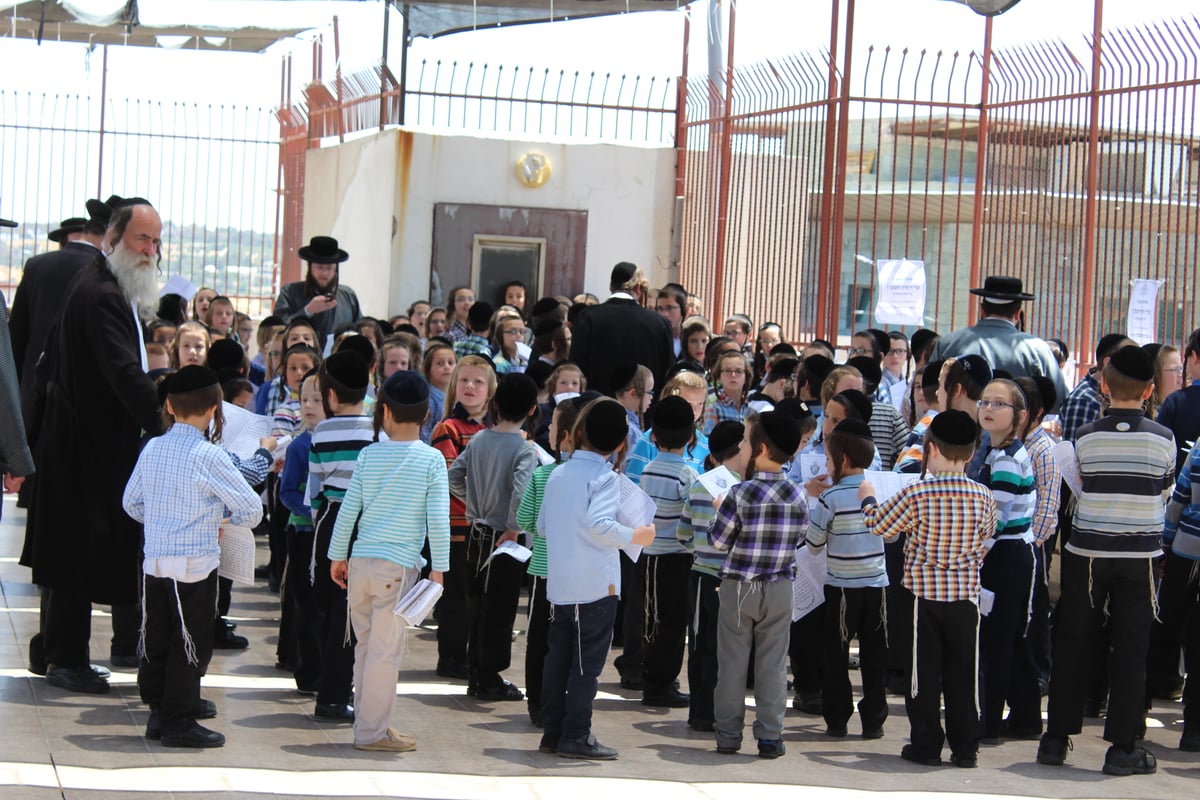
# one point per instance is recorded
(36, 307)
(621, 330)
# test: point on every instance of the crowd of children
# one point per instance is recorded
(486, 465)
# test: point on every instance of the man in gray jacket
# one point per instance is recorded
(329, 305)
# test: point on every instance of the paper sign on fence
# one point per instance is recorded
(900, 290)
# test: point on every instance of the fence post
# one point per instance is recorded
(825, 233)
(839, 199)
(726, 140)
(1091, 208)
(981, 144)
(103, 108)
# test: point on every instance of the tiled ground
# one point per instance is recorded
(57, 745)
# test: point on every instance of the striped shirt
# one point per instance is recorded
(451, 437)
(336, 443)
(1127, 466)
(719, 408)
(288, 419)
(398, 497)
(1008, 472)
(913, 457)
(946, 516)
(761, 523)
(695, 521)
(527, 515)
(180, 489)
(1047, 480)
(646, 451)
(667, 480)
(1183, 512)
(889, 432)
(853, 557)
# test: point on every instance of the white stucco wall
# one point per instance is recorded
(358, 190)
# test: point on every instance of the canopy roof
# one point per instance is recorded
(439, 17)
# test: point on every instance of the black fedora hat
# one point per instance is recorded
(323, 250)
(1002, 289)
(101, 210)
(66, 227)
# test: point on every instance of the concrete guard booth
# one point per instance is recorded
(421, 213)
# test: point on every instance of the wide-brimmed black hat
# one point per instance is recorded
(102, 209)
(323, 250)
(66, 227)
(1002, 289)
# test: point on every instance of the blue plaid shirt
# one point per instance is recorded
(1081, 407)
(761, 523)
(181, 489)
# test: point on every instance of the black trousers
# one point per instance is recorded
(633, 611)
(665, 624)
(308, 618)
(169, 676)
(703, 607)
(336, 684)
(451, 609)
(67, 629)
(899, 627)
(945, 639)
(277, 526)
(1089, 586)
(854, 612)
(535, 640)
(1178, 594)
(806, 652)
(493, 593)
(1007, 670)
(1039, 625)
(126, 622)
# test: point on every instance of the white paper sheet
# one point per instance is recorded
(1068, 465)
(808, 588)
(511, 549)
(418, 602)
(987, 599)
(243, 430)
(237, 554)
(543, 455)
(811, 465)
(636, 510)
(718, 481)
(888, 484)
(177, 284)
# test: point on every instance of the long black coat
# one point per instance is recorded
(36, 307)
(621, 330)
(98, 402)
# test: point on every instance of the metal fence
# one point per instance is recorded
(209, 170)
(797, 179)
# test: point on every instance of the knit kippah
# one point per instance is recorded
(978, 370)
(857, 402)
(854, 427)
(725, 436)
(1133, 362)
(191, 378)
(673, 414)
(954, 427)
(606, 426)
(405, 387)
(347, 368)
(783, 431)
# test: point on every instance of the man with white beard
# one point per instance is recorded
(97, 403)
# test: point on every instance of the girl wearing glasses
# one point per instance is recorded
(1004, 465)
(730, 379)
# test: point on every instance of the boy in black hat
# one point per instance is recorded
(760, 524)
(490, 477)
(336, 442)
(180, 490)
(1127, 466)
(945, 519)
(666, 563)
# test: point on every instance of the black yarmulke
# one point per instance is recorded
(782, 347)
(361, 345)
(1106, 344)
(857, 402)
(795, 407)
(931, 378)
(622, 375)
(783, 431)
(782, 368)
(606, 426)
(819, 366)
(623, 273)
(347, 368)
(191, 378)
(673, 414)
(1047, 390)
(546, 327)
(547, 305)
(225, 353)
(405, 387)
(954, 427)
(854, 427)
(271, 321)
(516, 395)
(871, 371)
(1133, 362)
(883, 342)
(725, 436)
(978, 370)
(480, 316)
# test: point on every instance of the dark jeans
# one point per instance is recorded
(578, 647)
(848, 613)
(307, 617)
(947, 666)
(633, 598)
(535, 640)
(664, 627)
(493, 593)
(67, 629)
(451, 609)
(704, 606)
(1089, 586)
(168, 678)
(337, 640)
(1006, 658)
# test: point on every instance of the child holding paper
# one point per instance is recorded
(386, 559)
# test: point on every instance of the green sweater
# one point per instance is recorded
(527, 515)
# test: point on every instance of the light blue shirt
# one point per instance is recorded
(646, 451)
(578, 519)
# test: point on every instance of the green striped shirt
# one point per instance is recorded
(336, 443)
(527, 515)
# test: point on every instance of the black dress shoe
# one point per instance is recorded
(504, 691)
(262, 571)
(665, 698)
(334, 712)
(452, 669)
(124, 661)
(225, 639)
(195, 736)
(76, 680)
(206, 710)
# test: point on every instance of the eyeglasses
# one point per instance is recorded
(732, 372)
(1176, 370)
(861, 351)
(515, 332)
(994, 405)
(899, 351)
(662, 309)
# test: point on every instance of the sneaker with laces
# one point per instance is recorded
(1052, 750)
(393, 742)
(1135, 761)
(771, 748)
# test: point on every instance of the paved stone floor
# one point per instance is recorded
(58, 745)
